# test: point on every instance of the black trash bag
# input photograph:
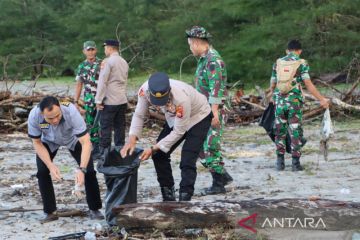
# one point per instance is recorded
(121, 180)
(267, 122)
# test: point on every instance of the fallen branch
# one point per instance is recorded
(313, 112)
(252, 104)
(60, 213)
(328, 85)
(21, 209)
(344, 105)
(348, 94)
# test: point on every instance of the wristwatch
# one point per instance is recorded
(83, 169)
(153, 150)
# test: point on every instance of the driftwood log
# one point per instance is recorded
(295, 213)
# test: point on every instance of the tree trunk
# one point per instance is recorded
(326, 214)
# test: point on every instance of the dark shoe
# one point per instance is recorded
(227, 179)
(96, 214)
(49, 217)
(280, 163)
(184, 196)
(168, 193)
(214, 190)
(296, 164)
(217, 185)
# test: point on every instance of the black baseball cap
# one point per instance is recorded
(112, 42)
(159, 88)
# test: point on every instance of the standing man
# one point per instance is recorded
(51, 125)
(288, 74)
(111, 96)
(87, 75)
(210, 80)
(188, 117)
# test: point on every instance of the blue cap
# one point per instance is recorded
(112, 42)
(159, 88)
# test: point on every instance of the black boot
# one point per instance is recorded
(217, 185)
(296, 164)
(168, 193)
(227, 179)
(184, 196)
(280, 162)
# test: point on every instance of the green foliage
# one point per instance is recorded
(46, 37)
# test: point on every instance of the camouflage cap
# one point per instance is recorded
(198, 32)
(89, 44)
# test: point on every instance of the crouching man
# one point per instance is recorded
(51, 125)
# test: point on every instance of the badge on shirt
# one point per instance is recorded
(44, 125)
(65, 103)
(179, 111)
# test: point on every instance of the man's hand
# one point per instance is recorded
(55, 172)
(79, 178)
(269, 97)
(99, 107)
(325, 103)
(127, 149)
(215, 122)
(146, 154)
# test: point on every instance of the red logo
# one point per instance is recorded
(141, 93)
(252, 218)
(179, 111)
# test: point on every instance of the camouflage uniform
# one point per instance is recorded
(210, 80)
(88, 74)
(288, 110)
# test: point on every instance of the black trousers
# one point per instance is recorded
(194, 140)
(113, 117)
(46, 187)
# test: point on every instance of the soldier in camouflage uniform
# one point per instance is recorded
(210, 80)
(288, 107)
(87, 75)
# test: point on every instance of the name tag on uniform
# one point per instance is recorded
(44, 125)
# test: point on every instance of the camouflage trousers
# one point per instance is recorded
(212, 157)
(90, 114)
(288, 116)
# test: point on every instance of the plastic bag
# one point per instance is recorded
(327, 129)
(267, 122)
(79, 191)
(120, 179)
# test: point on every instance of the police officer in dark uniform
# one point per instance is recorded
(51, 125)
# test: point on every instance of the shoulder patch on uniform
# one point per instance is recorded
(179, 111)
(141, 92)
(65, 103)
(102, 64)
(44, 125)
(212, 66)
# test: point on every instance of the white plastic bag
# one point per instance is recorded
(327, 129)
(78, 191)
